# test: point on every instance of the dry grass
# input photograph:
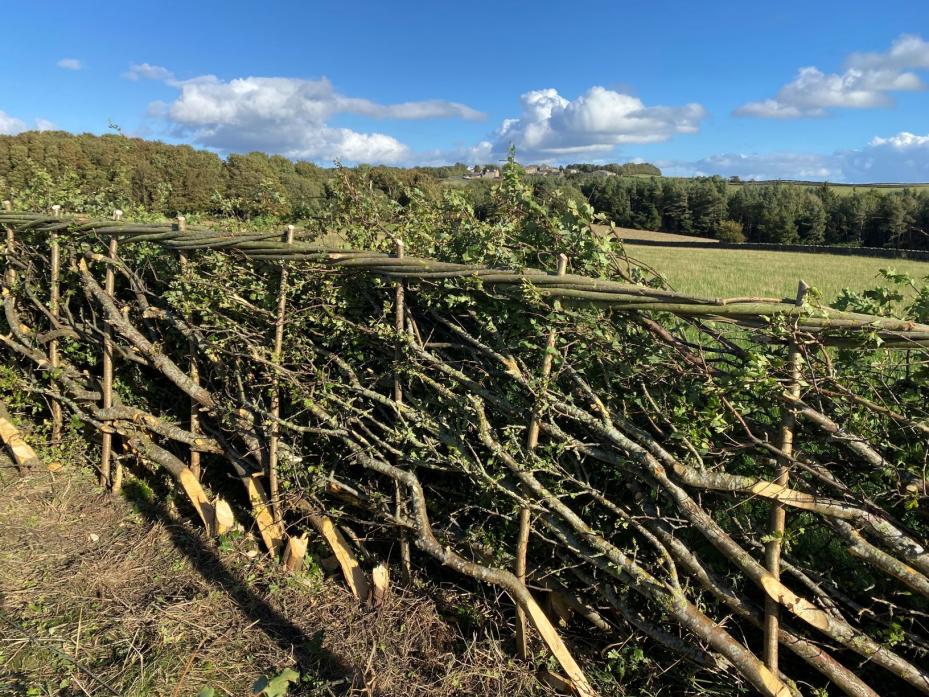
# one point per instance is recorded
(141, 600)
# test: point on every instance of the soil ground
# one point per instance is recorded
(101, 595)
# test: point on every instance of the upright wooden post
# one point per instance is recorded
(532, 440)
(180, 225)
(54, 302)
(117, 479)
(109, 285)
(10, 275)
(778, 518)
(400, 327)
(274, 439)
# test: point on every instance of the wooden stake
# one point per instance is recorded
(272, 533)
(295, 552)
(109, 286)
(351, 570)
(223, 519)
(400, 327)
(522, 551)
(10, 276)
(147, 450)
(557, 646)
(778, 519)
(380, 584)
(23, 455)
(532, 440)
(274, 439)
(117, 470)
(54, 302)
(180, 225)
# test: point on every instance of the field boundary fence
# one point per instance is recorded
(110, 323)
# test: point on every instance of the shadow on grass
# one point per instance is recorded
(16, 680)
(328, 673)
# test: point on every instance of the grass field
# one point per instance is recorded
(631, 235)
(734, 272)
(841, 189)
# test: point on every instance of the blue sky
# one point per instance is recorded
(817, 90)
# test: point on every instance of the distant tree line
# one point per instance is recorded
(629, 169)
(777, 213)
(97, 173)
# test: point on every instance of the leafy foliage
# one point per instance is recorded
(650, 486)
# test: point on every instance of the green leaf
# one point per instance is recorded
(276, 686)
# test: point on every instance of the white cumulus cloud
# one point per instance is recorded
(10, 125)
(289, 116)
(551, 127)
(900, 158)
(780, 165)
(902, 141)
(908, 51)
(146, 71)
(70, 64)
(867, 83)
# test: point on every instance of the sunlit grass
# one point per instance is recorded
(840, 189)
(736, 272)
(632, 234)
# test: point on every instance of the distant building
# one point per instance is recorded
(544, 170)
(483, 172)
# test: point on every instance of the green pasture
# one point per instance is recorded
(736, 272)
